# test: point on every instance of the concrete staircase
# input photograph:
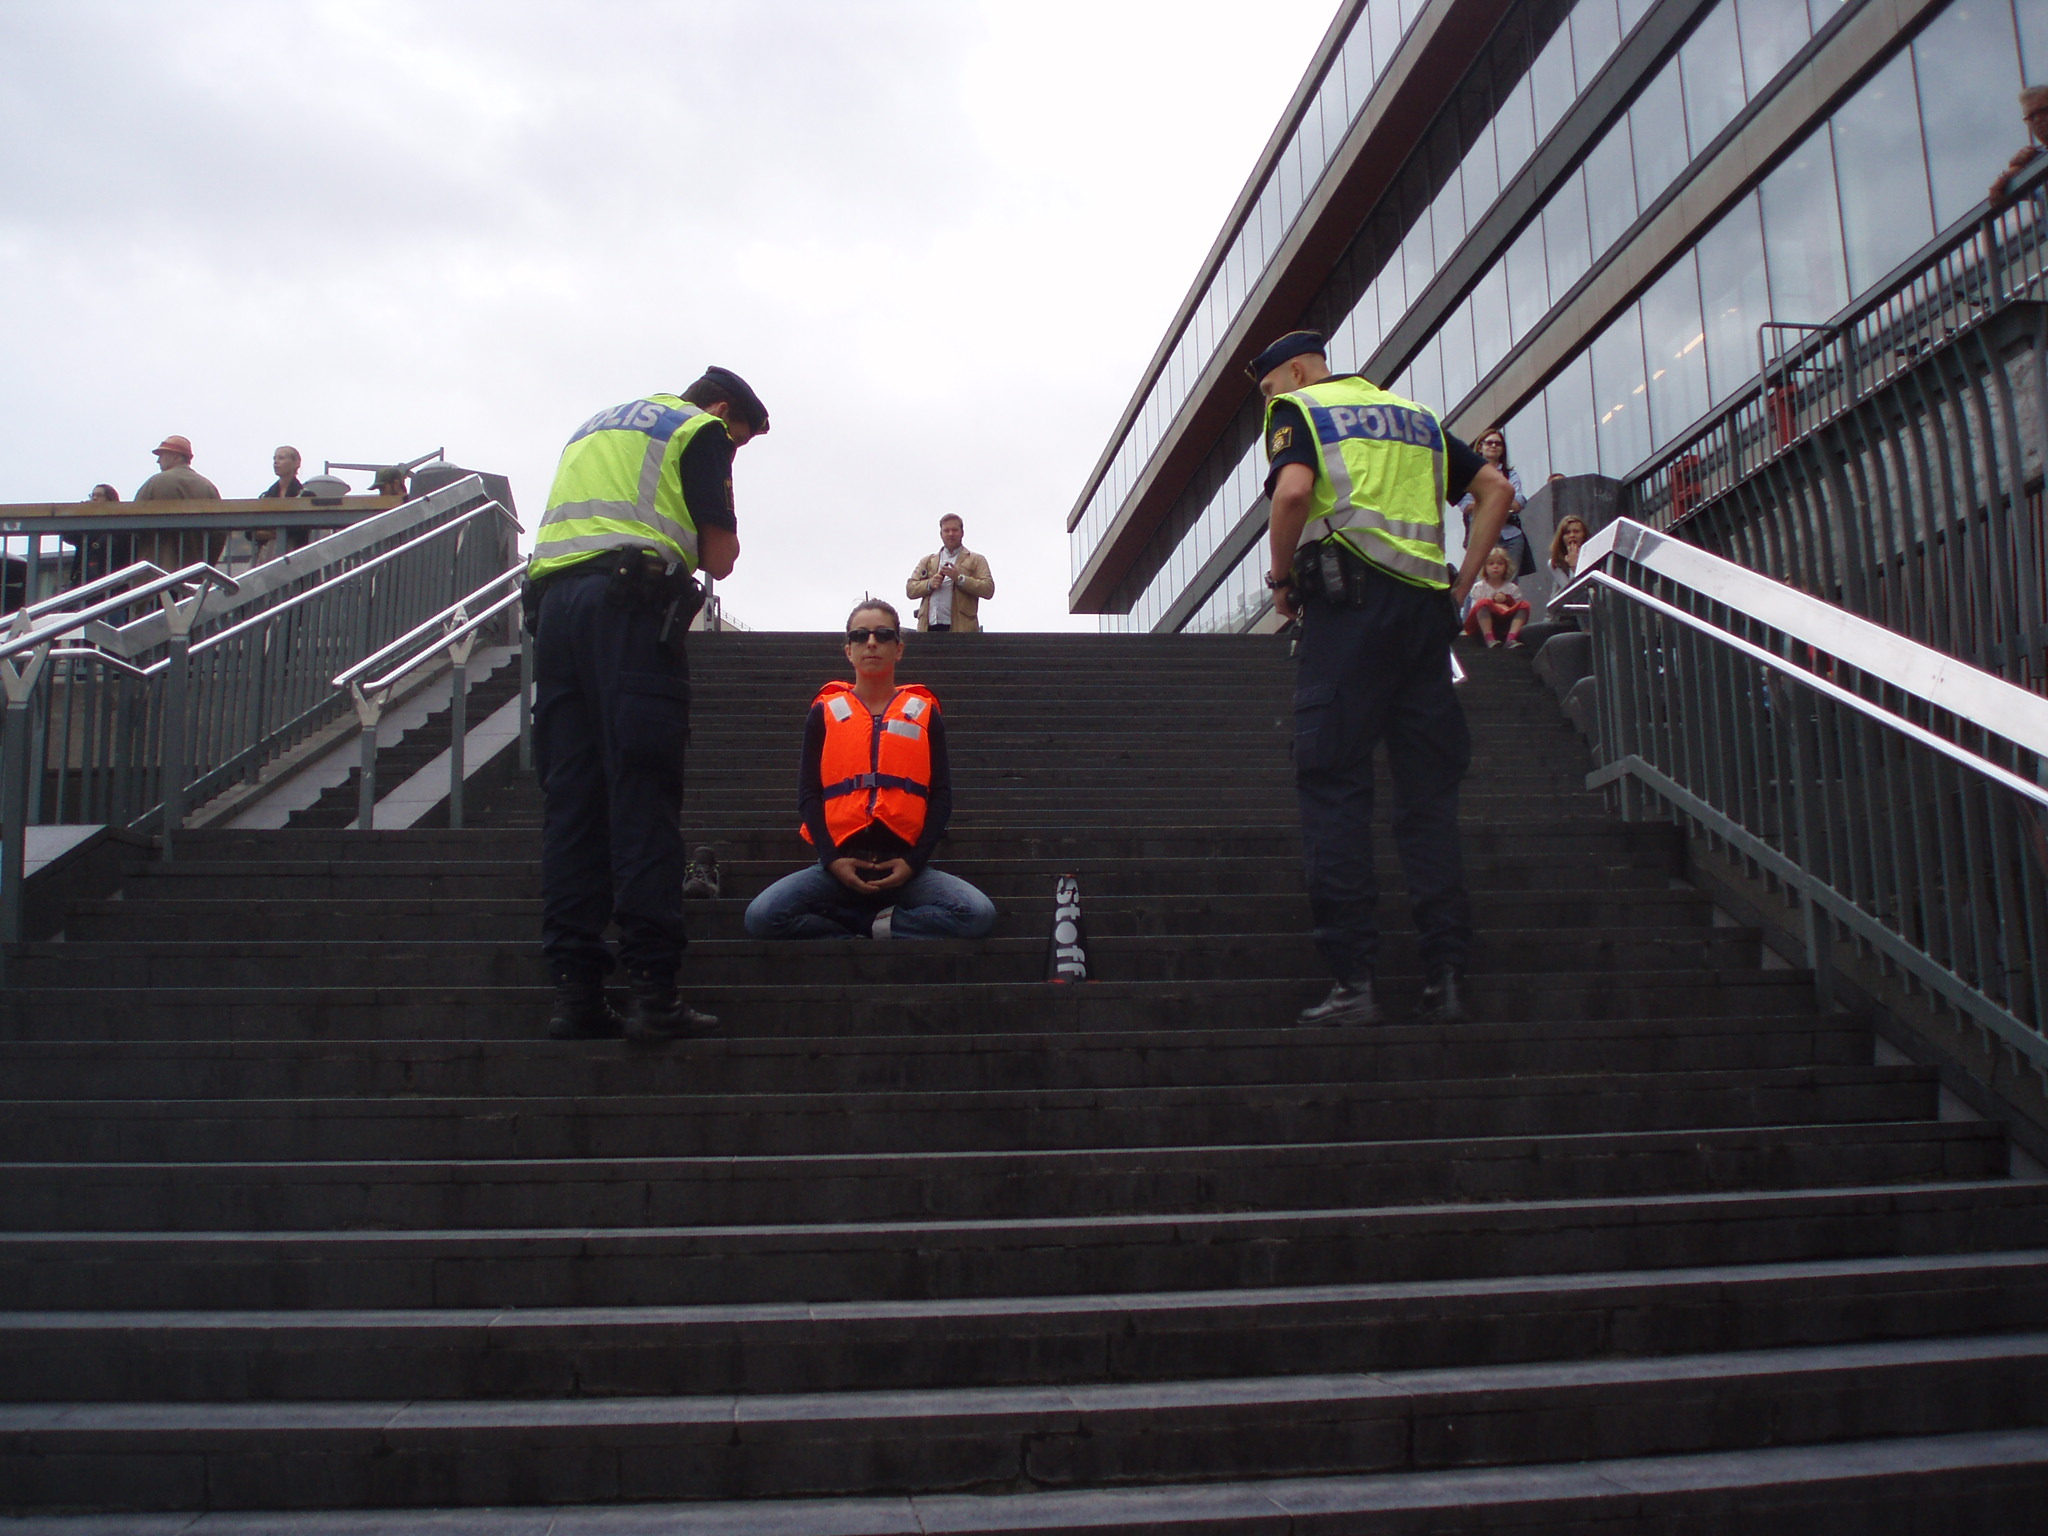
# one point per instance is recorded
(299, 1213)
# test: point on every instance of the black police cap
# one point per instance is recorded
(742, 396)
(1294, 344)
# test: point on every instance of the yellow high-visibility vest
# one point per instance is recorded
(617, 487)
(1381, 468)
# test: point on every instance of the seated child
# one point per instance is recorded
(873, 794)
(1497, 605)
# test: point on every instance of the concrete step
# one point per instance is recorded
(396, 1455)
(613, 1191)
(1184, 1057)
(601, 1352)
(390, 919)
(923, 1260)
(436, 1012)
(739, 962)
(644, 1125)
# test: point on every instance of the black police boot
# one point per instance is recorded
(1443, 998)
(701, 884)
(1348, 1003)
(581, 1012)
(656, 1013)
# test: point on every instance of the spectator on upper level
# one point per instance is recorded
(1497, 609)
(390, 481)
(101, 554)
(1564, 564)
(284, 463)
(951, 582)
(103, 492)
(1493, 447)
(175, 478)
(2034, 108)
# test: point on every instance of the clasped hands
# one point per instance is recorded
(869, 877)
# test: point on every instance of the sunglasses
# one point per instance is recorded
(860, 636)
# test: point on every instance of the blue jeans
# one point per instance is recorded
(811, 904)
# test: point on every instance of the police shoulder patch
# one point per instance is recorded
(1281, 441)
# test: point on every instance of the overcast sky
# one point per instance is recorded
(940, 239)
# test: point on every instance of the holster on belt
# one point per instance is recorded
(1327, 571)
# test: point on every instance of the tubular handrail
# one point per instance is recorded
(354, 572)
(206, 575)
(1918, 670)
(433, 628)
(446, 639)
(85, 589)
(1897, 794)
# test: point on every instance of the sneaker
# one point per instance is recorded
(1514, 642)
(701, 883)
(656, 1013)
(1492, 643)
(581, 1013)
(1344, 1006)
(879, 928)
(1443, 998)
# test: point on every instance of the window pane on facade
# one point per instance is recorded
(1675, 351)
(1529, 445)
(1386, 31)
(1358, 65)
(1566, 241)
(1552, 81)
(1596, 33)
(1480, 175)
(1426, 377)
(1734, 299)
(1455, 343)
(1514, 130)
(1418, 259)
(1657, 134)
(1710, 64)
(1803, 235)
(1772, 31)
(1447, 221)
(1611, 187)
(1490, 337)
(1633, 11)
(1365, 324)
(1620, 398)
(1568, 404)
(1528, 283)
(1969, 78)
(1886, 215)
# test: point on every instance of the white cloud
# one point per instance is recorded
(940, 239)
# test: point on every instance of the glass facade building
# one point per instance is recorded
(1568, 219)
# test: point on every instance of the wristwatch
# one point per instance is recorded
(1275, 583)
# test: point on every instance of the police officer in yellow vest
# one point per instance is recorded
(1359, 479)
(642, 500)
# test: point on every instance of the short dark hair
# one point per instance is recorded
(953, 517)
(878, 606)
(709, 391)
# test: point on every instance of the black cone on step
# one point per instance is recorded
(1066, 951)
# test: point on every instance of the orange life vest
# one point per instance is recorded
(875, 769)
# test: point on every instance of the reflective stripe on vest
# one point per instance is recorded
(872, 776)
(617, 487)
(1380, 480)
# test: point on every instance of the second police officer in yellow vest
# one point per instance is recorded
(1358, 479)
(641, 501)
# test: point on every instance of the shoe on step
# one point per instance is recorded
(1346, 1005)
(581, 1012)
(701, 882)
(1443, 998)
(657, 1013)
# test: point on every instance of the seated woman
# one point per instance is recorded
(1564, 564)
(874, 794)
(1498, 607)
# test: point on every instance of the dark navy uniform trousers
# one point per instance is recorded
(611, 717)
(1381, 673)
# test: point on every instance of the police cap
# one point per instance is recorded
(741, 394)
(1294, 344)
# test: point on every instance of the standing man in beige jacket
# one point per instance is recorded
(952, 582)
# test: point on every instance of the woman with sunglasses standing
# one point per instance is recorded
(873, 795)
(1493, 447)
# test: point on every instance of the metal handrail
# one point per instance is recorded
(206, 575)
(86, 589)
(454, 630)
(1899, 795)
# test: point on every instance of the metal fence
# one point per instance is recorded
(1899, 796)
(132, 707)
(1892, 460)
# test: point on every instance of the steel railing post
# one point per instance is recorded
(177, 738)
(458, 722)
(525, 700)
(15, 769)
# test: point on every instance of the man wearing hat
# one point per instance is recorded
(176, 480)
(1359, 479)
(641, 501)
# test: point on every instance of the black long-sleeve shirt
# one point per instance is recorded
(876, 841)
